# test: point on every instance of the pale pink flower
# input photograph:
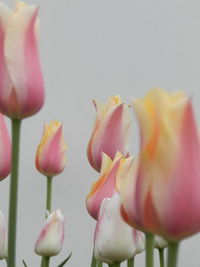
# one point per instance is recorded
(21, 82)
(50, 241)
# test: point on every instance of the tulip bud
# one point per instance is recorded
(50, 156)
(161, 196)
(115, 241)
(3, 237)
(160, 242)
(105, 186)
(50, 241)
(21, 82)
(111, 131)
(5, 150)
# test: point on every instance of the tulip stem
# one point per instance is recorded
(12, 225)
(94, 261)
(172, 254)
(48, 208)
(49, 193)
(161, 257)
(149, 249)
(115, 264)
(130, 262)
(46, 261)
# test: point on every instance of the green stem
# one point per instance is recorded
(115, 264)
(99, 264)
(46, 261)
(13, 193)
(172, 254)
(48, 207)
(49, 193)
(130, 262)
(94, 261)
(161, 257)
(149, 250)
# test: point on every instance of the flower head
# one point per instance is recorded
(21, 82)
(161, 195)
(50, 241)
(105, 186)
(50, 156)
(115, 241)
(111, 131)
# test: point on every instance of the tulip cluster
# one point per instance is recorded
(159, 189)
(21, 96)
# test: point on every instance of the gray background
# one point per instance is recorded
(95, 49)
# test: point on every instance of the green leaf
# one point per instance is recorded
(25, 265)
(65, 261)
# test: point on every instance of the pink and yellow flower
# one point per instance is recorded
(111, 131)
(105, 186)
(21, 82)
(161, 192)
(50, 156)
(5, 150)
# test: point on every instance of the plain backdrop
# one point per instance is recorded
(96, 49)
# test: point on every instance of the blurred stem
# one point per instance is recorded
(13, 193)
(49, 193)
(172, 254)
(46, 261)
(161, 257)
(48, 207)
(130, 262)
(149, 249)
(99, 264)
(94, 261)
(116, 264)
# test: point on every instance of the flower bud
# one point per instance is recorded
(111, 131)
(50, 241)
(115, 241)
(161, 195)
(21, 82)
(105, 186)
(50, 156)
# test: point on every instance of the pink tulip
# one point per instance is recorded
(115, 241)
(5, 150)
(105, 186)
(21, 82)
(161, 195)
(110, 133)
(50, 156)
(50, 241)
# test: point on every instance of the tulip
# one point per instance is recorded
(50, 156)
(50, 241)
(161, 196)
(111, 131)
(21, 82)
(3, 237)
(105, 186)
(5, 150)
(115, 241)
